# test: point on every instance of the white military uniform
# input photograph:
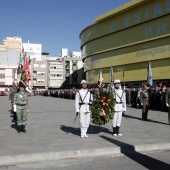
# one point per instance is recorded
(120, 106)
(82, 100)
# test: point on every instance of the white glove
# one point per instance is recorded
(167, 105)
(27, 110)
(142, 104)
(124, 109)
(28, 90)
(15, 107)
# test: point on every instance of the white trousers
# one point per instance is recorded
(117, 119)
(84, 122)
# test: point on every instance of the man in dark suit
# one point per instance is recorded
(167, 100)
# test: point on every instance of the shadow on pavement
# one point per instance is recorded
(144, 160)
(148, 120)
(98, 129)
(68, 129)
(91, 130)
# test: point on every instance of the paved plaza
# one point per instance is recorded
(51, 133)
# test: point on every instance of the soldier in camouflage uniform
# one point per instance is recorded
(11, 96)
(20, 105)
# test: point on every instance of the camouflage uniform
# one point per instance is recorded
(21, 100)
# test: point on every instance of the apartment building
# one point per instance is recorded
(55, 73)
(9, 58)
(39, 74)
(73, 72)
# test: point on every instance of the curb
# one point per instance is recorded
(51, 156)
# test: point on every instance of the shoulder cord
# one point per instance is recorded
(118, 95)
(145, 93)
(22, 97)
(84, 97)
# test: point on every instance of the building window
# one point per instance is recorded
(13, 71)
(40, 80)
(74, 64)
(2, 80)
(40, 73)
(2, 71)
(35, 65)
(43, 66)
(55, 75)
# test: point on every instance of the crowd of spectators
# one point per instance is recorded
(156, 97)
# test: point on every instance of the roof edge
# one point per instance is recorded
(120, 9)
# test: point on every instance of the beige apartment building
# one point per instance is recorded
(39, 75)
(55, 73)
(9, 58)
(46, 74)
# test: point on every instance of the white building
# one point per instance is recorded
(9, 59)
(75, 54)
(64, 52)
(33, 50)
(55, 73)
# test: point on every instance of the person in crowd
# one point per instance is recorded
(163, 103)
(157, 99)
(167, 100)
(138, 98)
(133, 97)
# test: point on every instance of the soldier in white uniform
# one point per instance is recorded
(83, 100)
(120, 107)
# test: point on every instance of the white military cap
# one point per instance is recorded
(83, 82)
(116, 81)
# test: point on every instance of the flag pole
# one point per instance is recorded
(123, 76)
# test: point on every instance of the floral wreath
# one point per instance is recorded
(103, 107)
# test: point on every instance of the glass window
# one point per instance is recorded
(2, 80)
(43, 66)
(2, 71)
(35, 65)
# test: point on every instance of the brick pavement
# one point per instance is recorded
(51, 133)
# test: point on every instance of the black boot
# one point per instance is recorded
(114, 131)
(23, 128)
(19, 129)
(144, 116)
(123, 115)
(14, 116)
(117, 130)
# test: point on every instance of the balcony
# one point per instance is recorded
(75, 68)
(67, 74)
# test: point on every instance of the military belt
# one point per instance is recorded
(119, 102)
(144, 97)
(21, 104)
(84, 103)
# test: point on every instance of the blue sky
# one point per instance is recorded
(55, 24)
